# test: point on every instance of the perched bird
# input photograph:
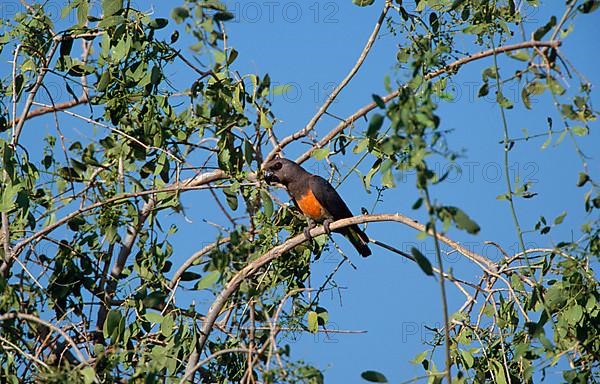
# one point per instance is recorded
(316, 198)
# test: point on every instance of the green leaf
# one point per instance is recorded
(281, 89)
(555, 297)
(89, 375)
(417, 204)
(483, 90)
(559, 219)
(554, 86)
(374, 124)
(219, 56)
(190, 276)
(361, 145)
(535, 88)
(503, 101)
(223, 16)
(516, 282)
(265, 122)
(158, 23)
(488, 310)
(579, 130)
(75, 223)
(19, 80)
(374, 377)
(526, 99)
(500, 374)
(434, 22)
(82, 12)
(208, 280)
(541, 32)
(233, 54)
(420, 357)
(589, 6)
(547, 141)
(153, 317)
(111, 21)
(387, 179)
(456, 4)
(249, 152)
(103, 82)
(363, 3)
(467, 357)
(167, 326)
(374, 169)
(313, 322)
(179, 14)
(9, 194)
(323, 315)
(574, 314)
(583, 178)
(403, 55)
(591, 303)
(111, 7)
(320, 153)
(231, 197)
(267, 203)
(155, 75)
(65, 47)
(503, 196)
(154, 299)
(520, 55)
(379, 101)
(422, 261)
(463, 221)
(111, 324)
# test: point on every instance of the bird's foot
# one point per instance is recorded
(311, 225)
(306, 231)
(326, 225)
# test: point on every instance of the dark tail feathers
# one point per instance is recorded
(359, 239)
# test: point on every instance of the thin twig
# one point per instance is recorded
(363, 55)
(117, 131)
(30, 98)
(6, 235)
(53, 108)
(438, 254)
(450, 67)
(27, 355)
(188, 375)
(196, 182)
(28, 317)
(192, 259)
(255, 266)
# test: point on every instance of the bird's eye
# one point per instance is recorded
(277, 166)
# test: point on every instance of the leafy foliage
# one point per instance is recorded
(88, 288)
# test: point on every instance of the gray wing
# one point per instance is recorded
(329, 198)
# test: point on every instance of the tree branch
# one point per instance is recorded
(209, 358)
(133, 231)
(30, 98)
(191, 183)
(188, 263)
(54, 108)
(252, 268)
(28, 317)
(363, 55)
(450, 67)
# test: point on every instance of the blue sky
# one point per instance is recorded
(387, 296)
(312, 45)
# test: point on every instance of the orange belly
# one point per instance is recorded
(310, 206)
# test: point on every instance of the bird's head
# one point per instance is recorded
(280, 170)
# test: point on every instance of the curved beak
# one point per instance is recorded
(270, 177)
